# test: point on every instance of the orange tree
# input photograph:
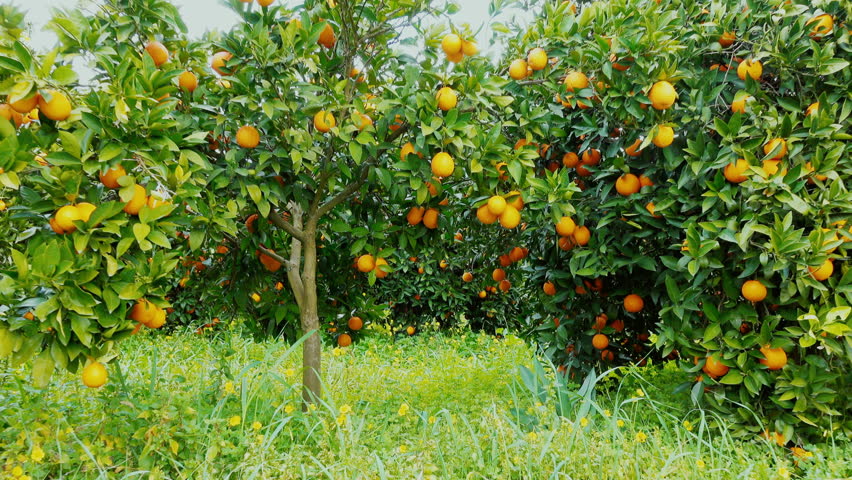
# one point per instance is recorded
(709, 141)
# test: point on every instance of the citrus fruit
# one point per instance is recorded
(662, 95)
(248, 137)
(753, 290)
(158, 52)
(324, 121)
(633, 303)
(94, 375)
(443, 165)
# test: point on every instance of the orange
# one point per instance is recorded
(738, 105)
(85, 210)
(627, 184)
(366, 263)
(618, 325)
(218, 61)
(575, 81)
(773, 358)
(633, 149)
(469, 48)
(812, 109)
(379, 270)
(447, 98)
(823, 271)
(110, 177)
(510, 218)
(823, 25)
(591, 157)
(664, 136)
(344, 340)
(537, 59)
(570, 160)
(140, 198)
(410, 330)
(467, 277)
(94, 375)
(771, 145)
(505, 285)
(406, 150)
(24, 105)
(600, 341)
(355, 323)
(751, 68)
(607, 356)
(265, 3)
(645, 182)
(65, 218)
(662, 95)
(651, 209)
(269, 263)
(582, 235)
(363, 121)
(753, 290)
(496, 205)
(735, 172)
(443, 165)
(771, 167)
(415, 216)
(633, 303)
(451, 44)
(485, 216)
(518, 69)
(188, 81)
(565, 227)
(517, 200)
(727, 39)
(159, 319)
(327, 38)
(498, 275)
(248, 137)
(549, 288)
(430, 218)
(714, 367)
(143, 312)
(158, 52)
(58, 108)
(324, 121)
(154, 201)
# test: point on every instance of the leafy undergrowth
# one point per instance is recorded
(423, 407)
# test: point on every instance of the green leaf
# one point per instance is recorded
(80, 326)
(141, 231)
(734, 377)
(110, 151)
(712, 331)
(255, 193)
(832, 65)
(21, 264)
(357, 152)
(11, 64)
(64, 75)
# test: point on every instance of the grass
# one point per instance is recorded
(425, 407)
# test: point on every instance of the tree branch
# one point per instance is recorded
(278, 220)
(274, 256)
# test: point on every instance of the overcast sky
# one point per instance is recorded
(211, 14)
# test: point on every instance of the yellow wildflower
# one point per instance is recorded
(312, 407)
(403, 448)
(338, 352)
(532, 436)
(607, 413)
(784, 473)
(37, 454)
(344, 409)
(403, 410)
(640, 392)
(288, 409)
(700, 464)
(234, 421)
(641, 437)
(584, 422)
(229, 387)
(341, 420)
(17, 471)
(687, 425)
(256, 425)
(290, 372)
(620, 423)
(432, 419)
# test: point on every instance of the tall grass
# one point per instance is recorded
(426, 407)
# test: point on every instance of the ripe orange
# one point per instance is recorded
(517, 200)
(751, 68)
(94, 375)
(510, 218)
(410, 330)
(269, 263)
(645, 182)
(159, 319)
(363, 121)
(823, 271)
(566, 226)
(265, 3)
(537, 59)
(451, 44)
(324, 121)
(498, 275)
(248, 137)
(518, 69)
(366, 263)
(467, 277)
(735, 172)
(58, 108)
(566, 243)
(188, 81)
(739, 104)
(85, 210)
(575, 81)
(662, 95)
(143, 312)
(727, 39)
(158, 52)
(664, 136)
(469, 48)
(218, 61)
(415, 216)
(496, 205)
(600, 341)
(430, 218)
(140, 198)
(582, 235)
(549, 288)
(379, 270)
(344, 340)
(65, 218)
(327, 38)
(627, 184)
(771, 167)
(505, 285)
(633, 149)
(773, 358)
(651, 209)
(355, 323)
(110, 177)
(823, 25)
(618, 325)
(24, 105)
(406, 150)
(607, 356)
(570, 160)
(443, 165)
(714, 367)
(591, 157)
(771, 145)
(447, 98)
(753, 290)
(485, 216)
(633, 303)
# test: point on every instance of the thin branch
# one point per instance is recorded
(278, 221)
(274, 256)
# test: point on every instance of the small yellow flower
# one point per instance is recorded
(584, 422)
(700, 464)
(234, 421)
(24, 477)
(37, 454)
(620, 423)
(256, 426)
(288, 409)
(17, 471)
(312, 407)
(432, 419)
(607, 413)
(338, 352)
(532, 436)
(641, 437)
(403, 410)
(290, 372)
(344, 409)
(229, 387)
(341, 420)
(640, 392)
(403, 448)
(687, 425)
(784, 473)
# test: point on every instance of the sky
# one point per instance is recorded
(211, 14)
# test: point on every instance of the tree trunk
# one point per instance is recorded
(312, 348)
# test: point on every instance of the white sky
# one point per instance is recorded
(211, 14)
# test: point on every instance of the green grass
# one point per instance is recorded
(424, 407)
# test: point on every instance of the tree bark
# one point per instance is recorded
(312, 348)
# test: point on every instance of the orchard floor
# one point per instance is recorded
(187, 406)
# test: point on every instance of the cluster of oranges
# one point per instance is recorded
(456, 48)
(367, 263)
(508, 212)
(429, 217)
(571, 235)
(536, 60)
